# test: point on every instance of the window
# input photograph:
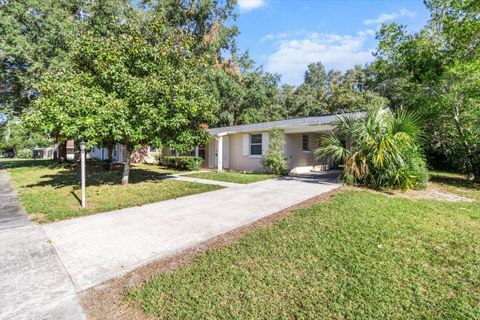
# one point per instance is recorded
(202, 152)
(305, 143)
(152, 149)
(256, 144)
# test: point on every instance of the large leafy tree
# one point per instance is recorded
(434, 72)
(245, 93)
(35, 36)
(209, 21)
(142, 85)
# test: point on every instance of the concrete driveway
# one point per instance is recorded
(44, 267)
(96, 248)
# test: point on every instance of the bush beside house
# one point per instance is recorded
(182, 162)
(275, 161)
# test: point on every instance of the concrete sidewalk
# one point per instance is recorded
(33, 282)
(97, 248)
(183, 177)
(11, 212)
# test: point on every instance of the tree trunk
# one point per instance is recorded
(62, 151)
(469, 164)
(126, 168)
(110, 157)
(476, 175)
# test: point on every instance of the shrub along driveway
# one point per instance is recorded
(99, 247)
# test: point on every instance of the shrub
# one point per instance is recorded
(181, 163)
(275, 161)
(24, 154)
(416, 167)
(379, 151)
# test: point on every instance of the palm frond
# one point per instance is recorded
(332, 148)
(407, 122)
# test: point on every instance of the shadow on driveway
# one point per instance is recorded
(324, 177)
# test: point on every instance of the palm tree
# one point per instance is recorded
(380, 150)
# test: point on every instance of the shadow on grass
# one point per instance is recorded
(30, 163)
(68, 173)
(458, 181)
(76, 197)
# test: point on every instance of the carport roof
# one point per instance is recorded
(283, 124)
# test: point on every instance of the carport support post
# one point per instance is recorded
(196, 151)
(82, 168)
(220, 154)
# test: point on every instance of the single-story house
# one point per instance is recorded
(44, 153)
(242, 147)
(149, 154)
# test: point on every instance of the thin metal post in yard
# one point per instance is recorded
(82, 168)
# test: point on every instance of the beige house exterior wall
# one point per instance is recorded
(241, 162)
(298, 160)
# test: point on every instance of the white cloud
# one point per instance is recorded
(389, 16)
(367, 32)
(335, 51)
(283, 35)
(248, 5)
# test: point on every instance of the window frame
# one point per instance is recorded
(307, 147)
(255, 144)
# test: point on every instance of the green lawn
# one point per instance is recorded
(361, 255)
(235, 177)
(51, 191)
(456, 183)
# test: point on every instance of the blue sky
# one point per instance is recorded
(286, 35)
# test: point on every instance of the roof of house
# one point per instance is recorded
(283, 124)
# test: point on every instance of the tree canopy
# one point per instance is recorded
(435, 72)
(143, 84)
(160, 72)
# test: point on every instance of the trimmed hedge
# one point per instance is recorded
(181, 163)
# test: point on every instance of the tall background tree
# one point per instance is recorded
(434, 72)
(14, 137)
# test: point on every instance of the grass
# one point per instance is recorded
(235, 177)
(361, 255)
(50, 191)
(456, 183)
